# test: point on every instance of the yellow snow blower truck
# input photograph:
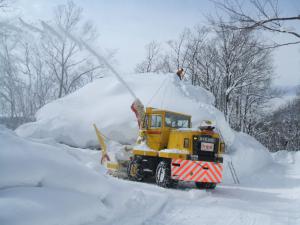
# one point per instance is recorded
(171, 151)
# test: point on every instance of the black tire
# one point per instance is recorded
(205, 185)
(135, 170)
(163, 175)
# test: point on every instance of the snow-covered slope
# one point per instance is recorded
(106, 103)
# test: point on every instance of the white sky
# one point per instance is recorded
(128, 25)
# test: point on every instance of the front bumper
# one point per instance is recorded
(198, 171)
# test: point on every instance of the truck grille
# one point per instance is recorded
(205, 147)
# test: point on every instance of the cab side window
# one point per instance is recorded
(156, 121)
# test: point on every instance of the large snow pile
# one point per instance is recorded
(41, 184)
(106, 103)
(50, 185)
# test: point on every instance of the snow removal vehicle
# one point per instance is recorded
(169, 150)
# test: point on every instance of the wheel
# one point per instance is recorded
(205, 185)
(135, 170)
(163, 175)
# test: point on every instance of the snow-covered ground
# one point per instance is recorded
(43, 182)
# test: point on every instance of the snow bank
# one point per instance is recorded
(42, 184)
(247, 155)
(106, 103)
(27, 163)
(50, 185)
(287, 157)
(284, 157)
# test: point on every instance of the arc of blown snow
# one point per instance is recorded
(80, 44)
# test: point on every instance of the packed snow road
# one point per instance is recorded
(274, 200)
(272, 196)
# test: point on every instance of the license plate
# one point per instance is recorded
(208, 147)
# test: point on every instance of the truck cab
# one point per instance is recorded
(158, 124)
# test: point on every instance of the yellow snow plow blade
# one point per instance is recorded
(112, 167)
(102, 145)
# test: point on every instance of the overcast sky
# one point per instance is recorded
(128, 25)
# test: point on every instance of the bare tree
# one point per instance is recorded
(193, 53)
(230, 64)
(13, 95)
(266, 17)
(242, 64)
(164, 64)
(179, 50)
(69, 66)
(11, 85)
(151, 62)
(279, 130)
(36, 69)
(38, 76)
(8, 78)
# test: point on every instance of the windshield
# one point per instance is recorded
(177, 121)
